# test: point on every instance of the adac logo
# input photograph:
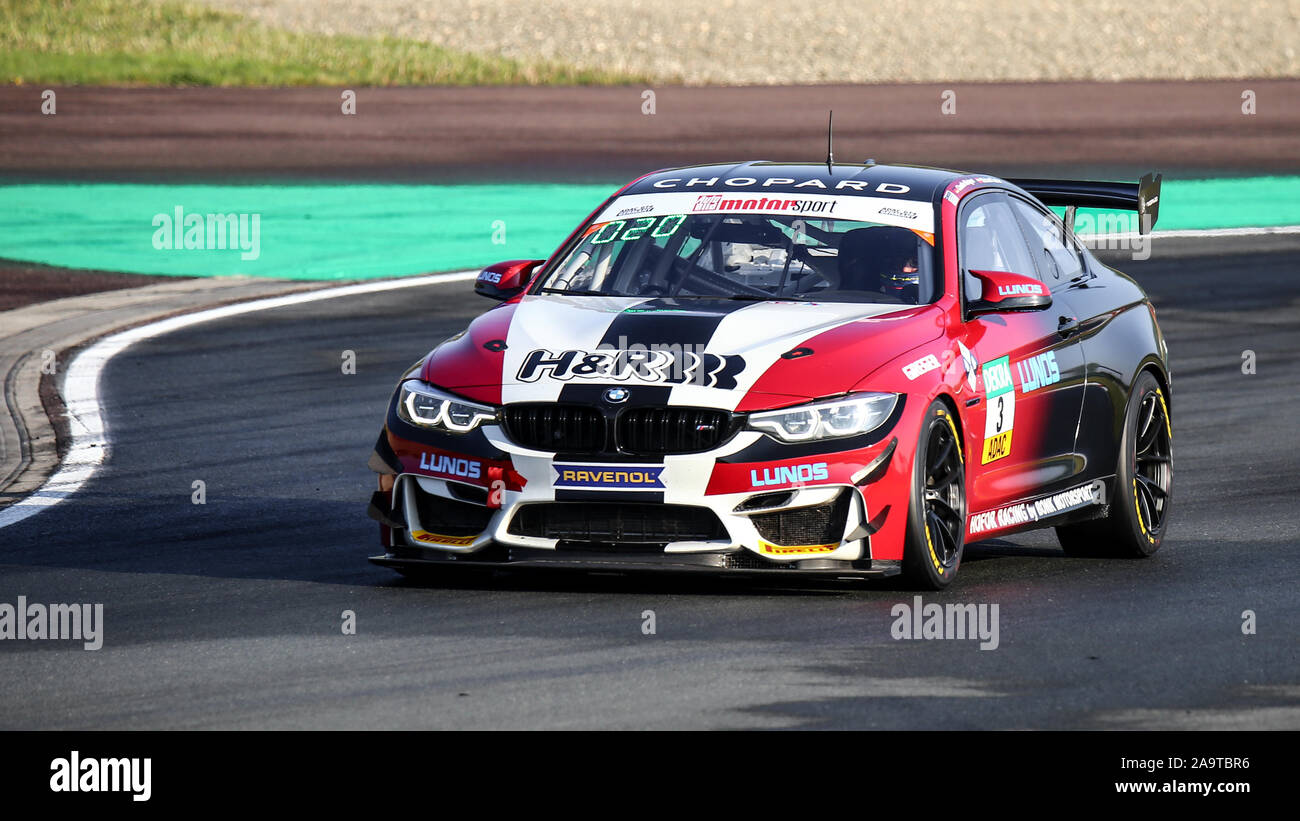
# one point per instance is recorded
(609, 477)
(1000, 415)
(789, 474)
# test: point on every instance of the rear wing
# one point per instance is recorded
(1142, 196)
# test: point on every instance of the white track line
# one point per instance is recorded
(1192, 233)
(1229, 232)
(89, 446)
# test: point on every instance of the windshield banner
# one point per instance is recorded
(918, 216)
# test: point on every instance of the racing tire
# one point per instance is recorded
(1138, 516)
(936, 519)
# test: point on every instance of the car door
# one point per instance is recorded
(1084, 310)
(1024, 407)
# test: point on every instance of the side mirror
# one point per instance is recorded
(505, 279)
(1009, 292)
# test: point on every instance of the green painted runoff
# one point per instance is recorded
(343, 231)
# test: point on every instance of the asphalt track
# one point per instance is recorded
(228, 614)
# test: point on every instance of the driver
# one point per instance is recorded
(902, 278)
(881, 259)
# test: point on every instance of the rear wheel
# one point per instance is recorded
(1139, 508)
(936, 526)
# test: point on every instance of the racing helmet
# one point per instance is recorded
(881, 259)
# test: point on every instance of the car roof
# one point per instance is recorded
(809, 177)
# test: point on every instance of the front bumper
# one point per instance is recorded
(822, 528)
(745, 507)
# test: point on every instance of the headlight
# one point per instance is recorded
(832, 419)
(425, 406)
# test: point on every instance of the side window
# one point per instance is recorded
(1056, 256)
(990, 239)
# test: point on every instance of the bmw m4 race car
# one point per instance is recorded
(836, 370)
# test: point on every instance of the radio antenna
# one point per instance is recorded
(830, 154)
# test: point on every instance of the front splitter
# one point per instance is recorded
(697, 563)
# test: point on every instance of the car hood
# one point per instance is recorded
(731, 354)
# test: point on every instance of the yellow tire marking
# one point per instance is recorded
(955, 437)
(1169, 428)
(1138, 510)
(934, 558)
(1136, 507)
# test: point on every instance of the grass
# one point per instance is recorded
(170, 43)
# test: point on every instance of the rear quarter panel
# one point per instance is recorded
(1121, 338)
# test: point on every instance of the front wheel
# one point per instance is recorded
(936, 525)
(1138, 517)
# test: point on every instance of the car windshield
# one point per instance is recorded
(750, 256)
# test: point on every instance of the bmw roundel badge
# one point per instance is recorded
(615, 395)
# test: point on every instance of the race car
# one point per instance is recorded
(800, 369)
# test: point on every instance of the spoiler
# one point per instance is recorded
(1142, 196)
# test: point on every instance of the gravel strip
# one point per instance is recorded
(748, 42)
